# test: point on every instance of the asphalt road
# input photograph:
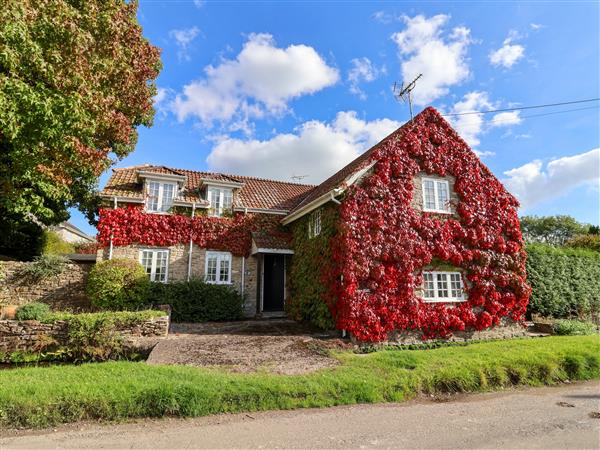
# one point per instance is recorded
(545, 418)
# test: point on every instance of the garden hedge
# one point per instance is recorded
(565, 282)
(197, 301)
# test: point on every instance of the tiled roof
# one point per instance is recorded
(255, 193)
(280, 241)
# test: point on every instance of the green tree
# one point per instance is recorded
(76, 80)
(552, 230)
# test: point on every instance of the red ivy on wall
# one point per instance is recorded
(131, 225)
(383, 241)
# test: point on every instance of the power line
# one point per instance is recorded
(544, 114)
(522, 107)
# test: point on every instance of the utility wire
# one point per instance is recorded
(543, 114)
(522, 107)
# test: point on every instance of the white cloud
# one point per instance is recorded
(362, 70)
(532, 184)
(261, 80)
(425, 48)
(199, 3)
(183, 39)
(383, 17)
(161, 95)
(315, 148)
(536, 26)
(471, 126)
(508, 55)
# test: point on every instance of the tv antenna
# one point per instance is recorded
(298, 177)
(404, 92)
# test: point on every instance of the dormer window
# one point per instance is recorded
(220, 199)
(160, 196)
(436, 195)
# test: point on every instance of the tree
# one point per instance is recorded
(76, 79)
(553, 230)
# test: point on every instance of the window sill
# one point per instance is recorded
(436, 211)
(445, 300)
(219, 283)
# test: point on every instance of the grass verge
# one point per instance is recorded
(45, 396)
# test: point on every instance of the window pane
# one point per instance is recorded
(317, 227)
(147, 262)
(161, 266)
(211, 268)
(442, 285)
(456, 286)
(429, 193)
(214, 197)
(224, 270)
(153, 189)
(167, 196)
(227, 199)
(442, 191)
(428, 285)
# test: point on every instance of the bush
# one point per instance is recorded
(45, 266)
(55, 245)
(118, 284)
(197, 301)
(564, 282)
(574, 327)
(32, 311)
(589, 241)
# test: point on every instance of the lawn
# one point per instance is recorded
(44, 396)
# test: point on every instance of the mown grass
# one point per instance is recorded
(44, 396)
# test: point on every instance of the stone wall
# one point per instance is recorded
(178, 268)
(31, 336)
(66, 290)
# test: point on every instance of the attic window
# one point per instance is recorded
(221, 200)
(314, 224)
(160, 196)
(436, 195)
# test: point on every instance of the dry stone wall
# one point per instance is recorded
(65, 290)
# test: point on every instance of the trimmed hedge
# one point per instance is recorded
(118, 284)
(197, 301)
(32, 311)
(565, 282)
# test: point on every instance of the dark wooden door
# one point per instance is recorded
(274, 280)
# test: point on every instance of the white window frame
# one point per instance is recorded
(220, 256)
(153, 263)
(314, 224)
(436, 288)
(218, 212)
(161, 205)
(442, 209)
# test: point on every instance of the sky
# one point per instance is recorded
(299, 89)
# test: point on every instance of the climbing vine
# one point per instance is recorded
(384, 242)
(131, 225)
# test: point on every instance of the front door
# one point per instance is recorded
(274, 280)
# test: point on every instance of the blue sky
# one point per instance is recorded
(278, 89)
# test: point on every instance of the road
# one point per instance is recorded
(543, 418)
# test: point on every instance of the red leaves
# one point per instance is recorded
(383, 240)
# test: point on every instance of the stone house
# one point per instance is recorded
(415, 235)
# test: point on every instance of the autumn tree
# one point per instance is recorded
(76, 80)
(552, 230)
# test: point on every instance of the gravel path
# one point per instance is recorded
(544, 418)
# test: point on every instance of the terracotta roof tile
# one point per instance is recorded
(273, 240)
(255, 193)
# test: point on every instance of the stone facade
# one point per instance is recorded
(31, 336)
(65, 290)
(178, 268)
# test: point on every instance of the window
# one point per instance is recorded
(443, 287)
(160, 196)
(436, 195)
(156, 263)
(218, 267)
(221, 199)
(314, 224)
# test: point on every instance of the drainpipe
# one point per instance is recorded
(335, 200)
(243, 273)
(189, 274)
(110, 248)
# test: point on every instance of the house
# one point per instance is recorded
(70, 233)
(416, 237)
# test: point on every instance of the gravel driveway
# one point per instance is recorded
(276, 345)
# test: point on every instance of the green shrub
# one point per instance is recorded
(55, 245)
(574, 327)
(32, 311)
(564, 282)
(197, 301)
(45, 266)
(589, 241)
(118, 284)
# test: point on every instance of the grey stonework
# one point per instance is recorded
(65, 290)
(31, 336)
